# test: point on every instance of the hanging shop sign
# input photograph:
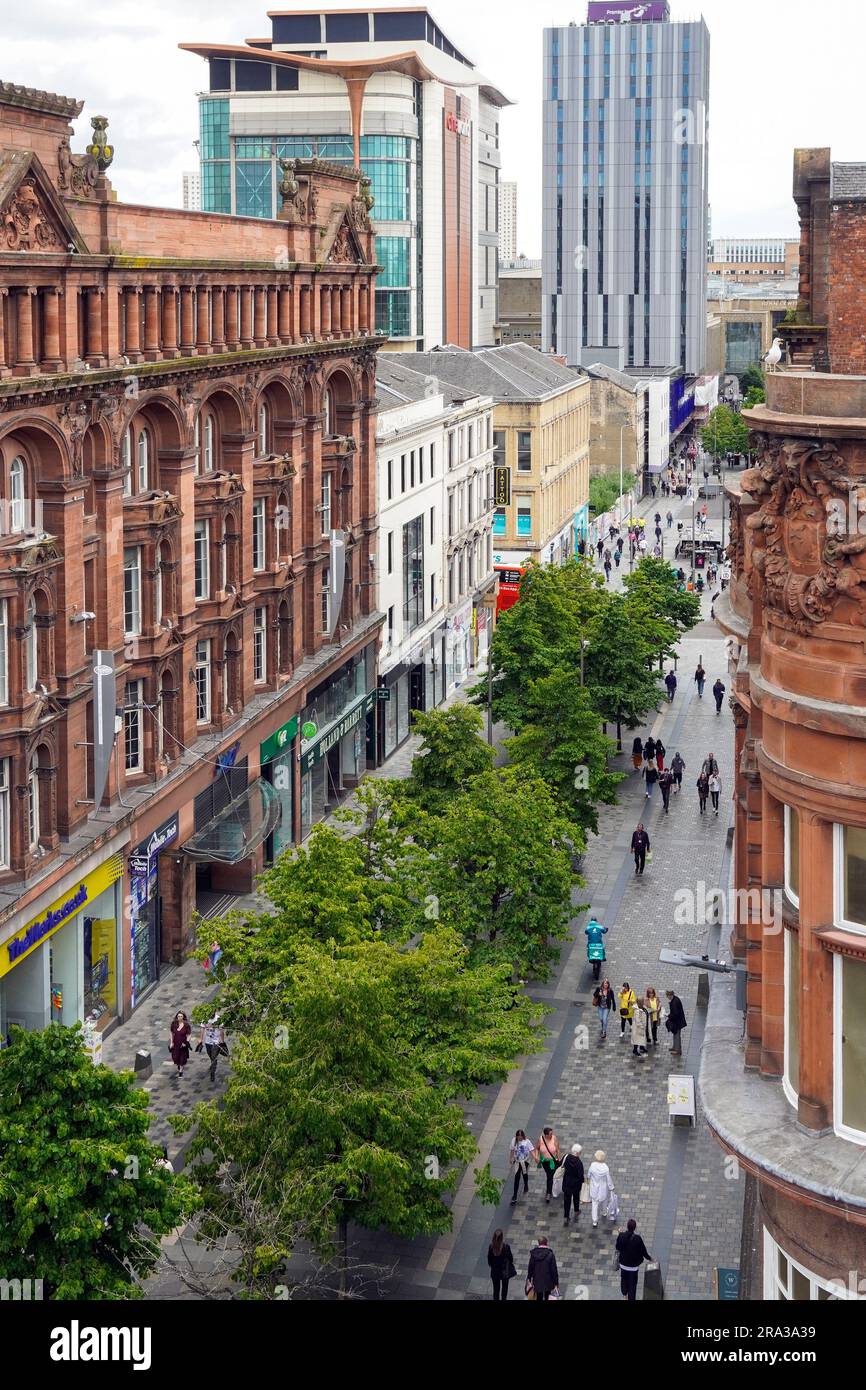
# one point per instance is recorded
(60, 912)
(350, 719)
(501, 487)
(279, 742)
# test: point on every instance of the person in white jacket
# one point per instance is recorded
(600, 1184)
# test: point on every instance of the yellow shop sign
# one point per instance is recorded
(61, 912)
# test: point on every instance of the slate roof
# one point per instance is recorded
(848, 181)
(514, 372)
(398, 384)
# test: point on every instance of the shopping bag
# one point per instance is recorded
(612, 1206)
(557, 1183)
(584, 1195)
(529, 1290)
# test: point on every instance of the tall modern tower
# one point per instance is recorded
(625, 189)
(386, 90)
(508, 221)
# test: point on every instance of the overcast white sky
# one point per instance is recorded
(784, 74)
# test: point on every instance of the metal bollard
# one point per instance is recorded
(143, 1065)
(703, 990)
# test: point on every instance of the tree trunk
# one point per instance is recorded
(342, 1253)
(619, 736)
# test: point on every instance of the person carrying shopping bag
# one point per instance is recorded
(627, 1001)
(547, 1153)
(600, 1184)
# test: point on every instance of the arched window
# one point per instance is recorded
(16, 494)
(284, 639)
(197, 442)
(143, 461)
(126, 461)
(33, 807)
(231, 680)
(32, 649)
(208, 443)
(264, 430)
(328, 412)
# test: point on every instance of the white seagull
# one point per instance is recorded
(774, 356)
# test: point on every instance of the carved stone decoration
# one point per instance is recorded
(99, 149)
(736, 548)
(64, 163)
(77, 173)
(312, 202)
(26, 224)
(362, 206)
(249, 390)
(75, 416)
(189, 399)
(294, 209)
(741, 715)
(810, 560)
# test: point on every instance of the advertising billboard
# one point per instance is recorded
(624, 12)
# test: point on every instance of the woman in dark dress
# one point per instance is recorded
(501, 1262)
(178, 1042)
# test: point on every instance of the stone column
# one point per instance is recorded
(347, 317)
(364, 309)
(233, 340)
(4, 365)
(169, 322)
(336, 311)
(306, 311)
(151, 323)
(246, 317)
(202, 334)
(187, 320)
(284, 316)
(325, 314)
(260, 323)
(273, 330)
(133, 323)
(218, 299)
(95, 340)
(815, 1090)
(51, 329)
(767, 964)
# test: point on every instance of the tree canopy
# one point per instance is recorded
(725, 433)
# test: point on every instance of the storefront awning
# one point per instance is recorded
(236, 833)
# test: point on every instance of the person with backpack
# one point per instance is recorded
(678, 767)
(572, 1182)
(595, 953)
(502, 1267)
(547, 1157)
(627, 1001)
(632, 1252)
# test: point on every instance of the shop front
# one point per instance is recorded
(581, 526)
(415, 685)
(145, 903)
(561, 548)
(460, 646)
(277, 759)
(64, 965)
(333, 760)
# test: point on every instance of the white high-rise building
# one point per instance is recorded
(387, 90)
(508, 222)
(192, 191)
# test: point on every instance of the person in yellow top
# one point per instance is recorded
(653, 1008)
(627, 1001)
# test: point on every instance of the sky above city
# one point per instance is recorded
(784, 74)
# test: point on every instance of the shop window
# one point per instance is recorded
(264, 441)
(524, 519)
(791, 1077)
(787, 1281)
(792, 855)
(133, 728)
(202, 560)
(849, 1072)
(413, 573)
(132, 591)
(143, 461)
(37, 804)
(499, 522)
(5, 835)
(260, 646)
(850, 877)
(259, 550)
(202, 671)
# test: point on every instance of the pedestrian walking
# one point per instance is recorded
(165, 1162)
(676, 1022)
(670, 519)
(627, 1001)
(608, 566)
(502, 1267)
(637, 754)
(632, 1252)
(719, 695)
(649, 750)
(213, 1039)
(572, 1182)
(654, 1009)
(542, 1276)
(547, 1156)
(710, 765)
(700, 680)
(642, 545)
(620, 544)
(178, 1040)
(600, 1184)
(519, 1156)
(639, 1030)
(678, 767)
(603, 1000)
(651, 777)
(657, 518)
(659, 534)
(666, 781)
(617, 557)
(715, 785)
(703, 791)
(657, 552)
(671, 684)
(661, 754)
(600, 548)
(640, 847)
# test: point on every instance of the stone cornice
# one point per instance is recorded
(31, 99)
(843, 721)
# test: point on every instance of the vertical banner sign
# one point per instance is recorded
(338, 576)
(502, 487)
(104, 710)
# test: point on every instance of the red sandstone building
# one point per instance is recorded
(796, 1120)
(187, 459)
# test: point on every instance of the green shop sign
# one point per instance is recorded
(279, 742)
(350, 720)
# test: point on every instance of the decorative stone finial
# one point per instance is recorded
(99, 149)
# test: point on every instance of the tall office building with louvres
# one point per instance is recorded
(625, 189)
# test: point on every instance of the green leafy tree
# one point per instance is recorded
(347, 1110)
(756, 395)
(653, 591)
(451, 754)
(619, 676)
(604, 491)
(752, 377)
(725, 433)
(82, 1196)
(562, 744)
(501, 870)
